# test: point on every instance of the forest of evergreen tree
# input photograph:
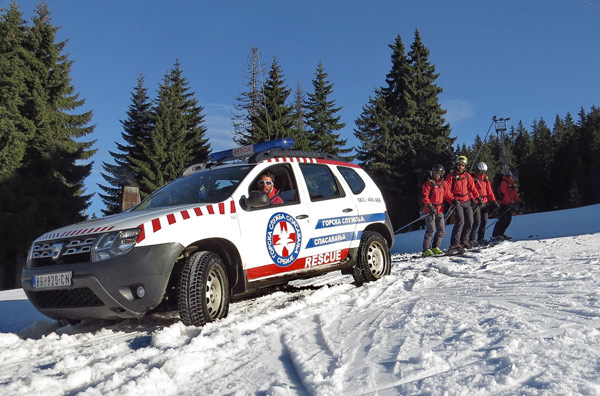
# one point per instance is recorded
(401, 131)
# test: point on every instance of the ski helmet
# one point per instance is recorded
(462, 160)
(438, 167)
(482, 167)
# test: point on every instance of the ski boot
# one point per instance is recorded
(455, 250)
(437, 251)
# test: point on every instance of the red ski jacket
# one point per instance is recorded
(484, 187)
(435, 193)
(507, 191)
(461, 186)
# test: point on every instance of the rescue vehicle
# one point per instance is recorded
(211, 235)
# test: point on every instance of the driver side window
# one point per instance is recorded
(284, 184)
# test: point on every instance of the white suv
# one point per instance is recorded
(211, 235)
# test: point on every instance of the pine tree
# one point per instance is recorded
(273, 119)
(398, 89)
(375, 126)
(379, 132)
(431, 134)
(562, 175)
(523, 156)
(542, 157)
(321, 117)
(47, 190)
(299, 134)
(54, 165)
(137, 129)
(410, 120)
(178, 139)
(15, 129)
(248, 102)
(588, 145)
(485, 155)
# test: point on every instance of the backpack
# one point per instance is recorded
(496, 186)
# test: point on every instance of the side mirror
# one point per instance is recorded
(257, 199)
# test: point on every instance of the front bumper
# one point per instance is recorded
(106, 289)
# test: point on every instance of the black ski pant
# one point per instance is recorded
(463, 216)
(480, 218)
(434, 225)
(503, 220)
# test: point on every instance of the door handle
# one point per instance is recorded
(303, 216)
(347, 210)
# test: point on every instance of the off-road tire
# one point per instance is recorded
(374, 259)
(203, 289)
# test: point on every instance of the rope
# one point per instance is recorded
(412, 222)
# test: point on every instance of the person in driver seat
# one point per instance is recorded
(266, 183)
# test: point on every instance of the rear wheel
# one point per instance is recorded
(373, 258)
(203, 289)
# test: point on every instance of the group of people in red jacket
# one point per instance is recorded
(471, 199)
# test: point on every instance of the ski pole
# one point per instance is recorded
(449, 213)
(412, 222)
(498, 218)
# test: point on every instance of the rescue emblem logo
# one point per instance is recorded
(284, 239)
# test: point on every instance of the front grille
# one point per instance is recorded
(66, 298)
(63, 251)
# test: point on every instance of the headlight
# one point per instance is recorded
(115, 244)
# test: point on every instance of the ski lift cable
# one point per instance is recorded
(481, 146)
(590, 5)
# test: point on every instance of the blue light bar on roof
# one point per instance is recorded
(247, 151)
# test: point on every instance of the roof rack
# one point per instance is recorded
(274, 153)
(258, 152)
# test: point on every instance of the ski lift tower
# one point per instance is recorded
(500, 126)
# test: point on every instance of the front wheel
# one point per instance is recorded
(203, 289)
(373, 258)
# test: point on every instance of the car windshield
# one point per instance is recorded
(206, 186)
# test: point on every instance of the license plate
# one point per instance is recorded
(52, 280)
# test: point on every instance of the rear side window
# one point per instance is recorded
(321, 182)
(356, 183)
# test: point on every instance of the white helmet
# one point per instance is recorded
(482, 166)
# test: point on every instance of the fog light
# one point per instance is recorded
(140, 292)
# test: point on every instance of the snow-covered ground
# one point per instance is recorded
(520, 318)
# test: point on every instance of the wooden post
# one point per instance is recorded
(130, 196)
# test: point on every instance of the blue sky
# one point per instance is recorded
(523, 59)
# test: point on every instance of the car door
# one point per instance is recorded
(333, 216)
(273, 237)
